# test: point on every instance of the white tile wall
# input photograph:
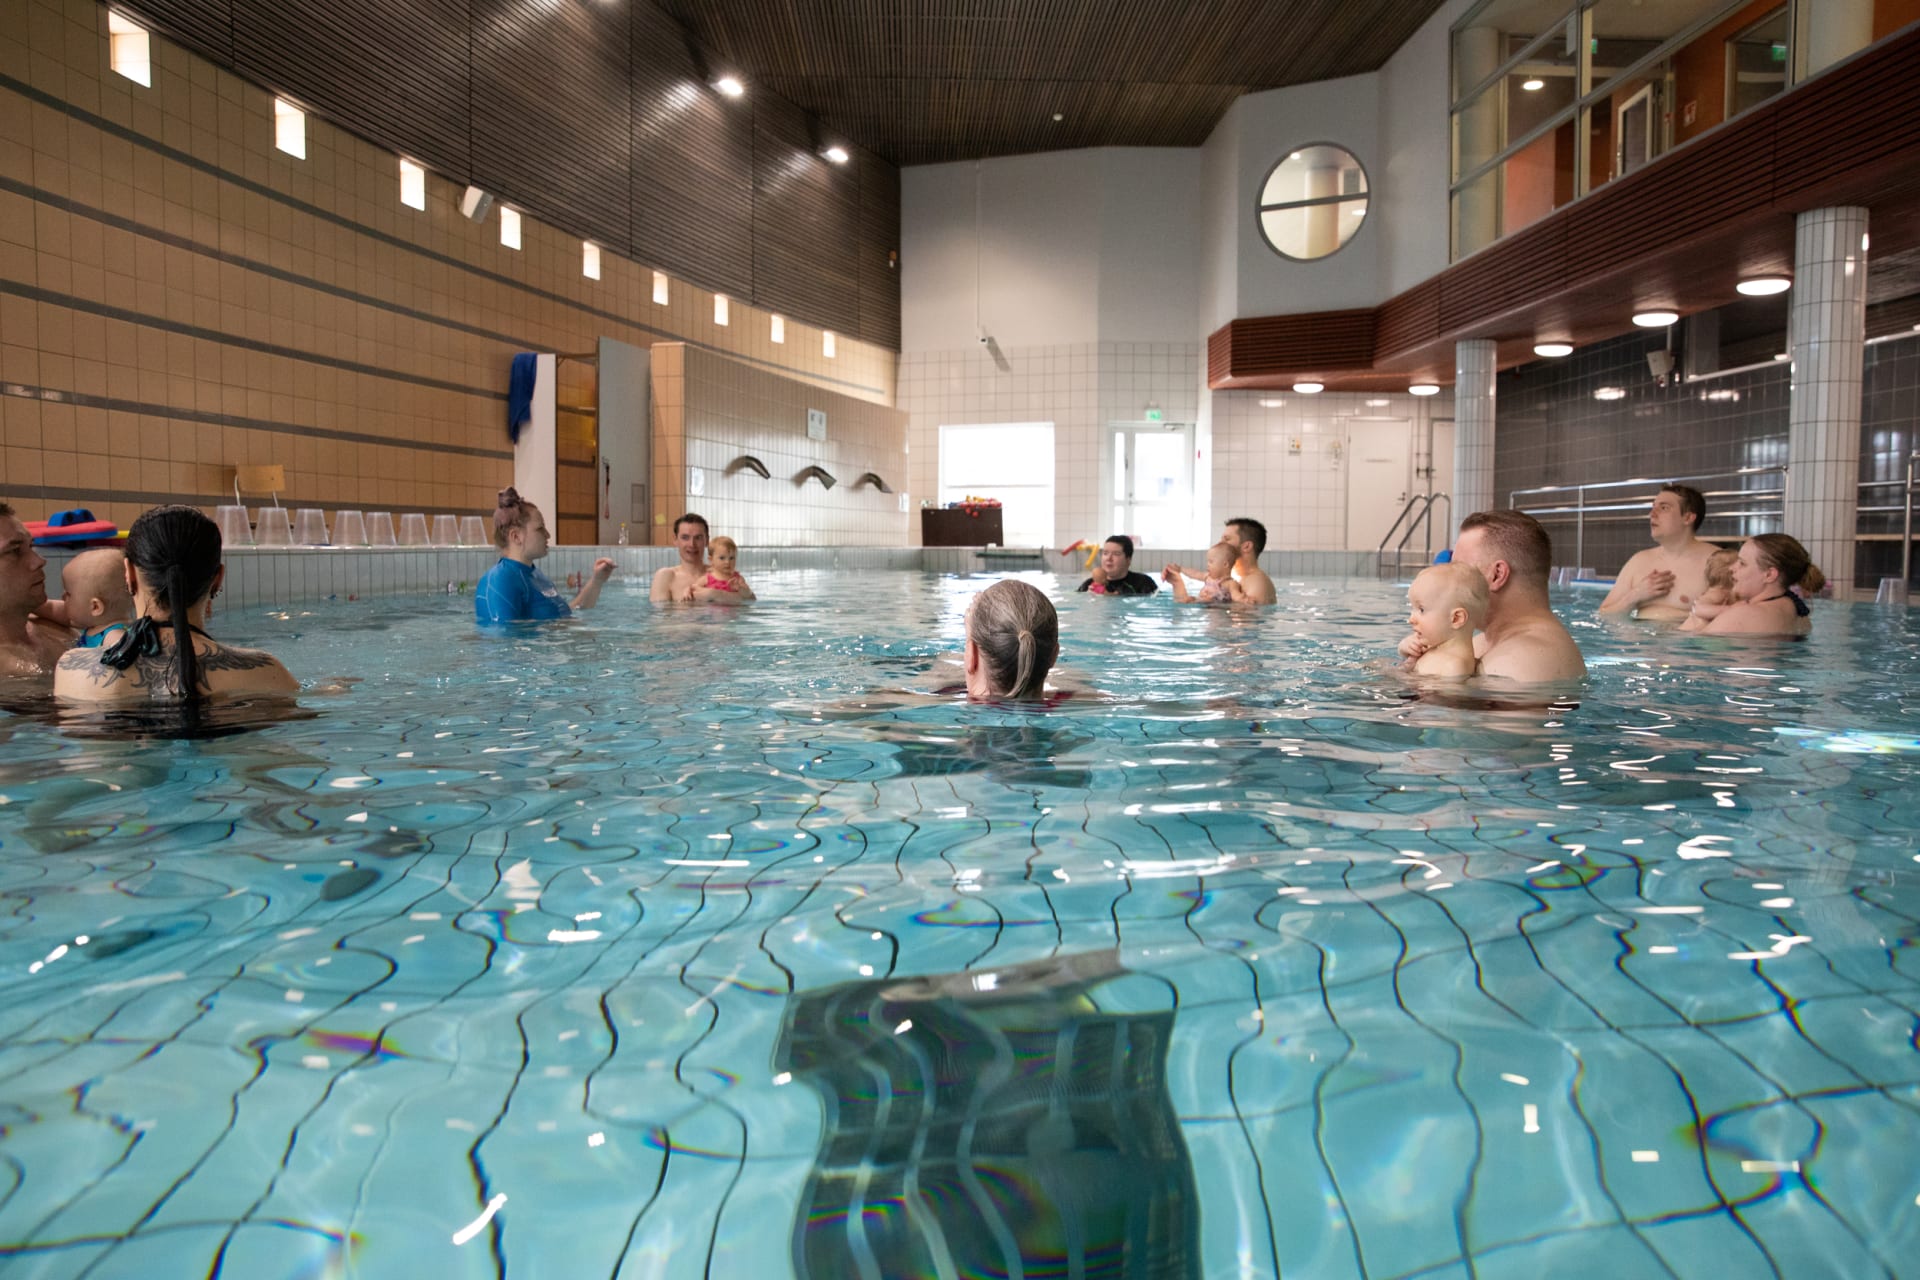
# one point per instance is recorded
(1078, 387)
(1300, 496)
(1475, 364)
(1826, 339)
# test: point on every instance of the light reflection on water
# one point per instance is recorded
(1428, 981)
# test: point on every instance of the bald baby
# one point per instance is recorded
(94, 587)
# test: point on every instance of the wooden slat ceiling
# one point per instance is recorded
(928, 81)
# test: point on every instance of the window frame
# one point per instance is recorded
(1261, 208)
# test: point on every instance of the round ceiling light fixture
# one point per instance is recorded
(1655, 319)
(1423, 389)
(1553, 350)
(729, 86)
(1764, 286)
(1534, 85)
(1309, 388)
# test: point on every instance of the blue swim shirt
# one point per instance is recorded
(515, 592)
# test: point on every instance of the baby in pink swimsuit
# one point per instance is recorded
(723, 583)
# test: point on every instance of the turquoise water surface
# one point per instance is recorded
(685, 942)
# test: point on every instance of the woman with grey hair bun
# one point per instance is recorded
(1013, 640)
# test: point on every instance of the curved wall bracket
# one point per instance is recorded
(871, 478)
(747, 462)
(826, 480)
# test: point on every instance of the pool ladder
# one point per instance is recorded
(1416, 515)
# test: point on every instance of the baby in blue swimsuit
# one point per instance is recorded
(513, 590)
(94, 589)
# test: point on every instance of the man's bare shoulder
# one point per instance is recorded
(1537, 650)
(1258, 586)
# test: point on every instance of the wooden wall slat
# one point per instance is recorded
(692, 180)
(552, 117)
(879, 275)
(398, 78)
(204, 26)
(806, 221)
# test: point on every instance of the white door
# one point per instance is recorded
(1153, 483)
(1379, 468)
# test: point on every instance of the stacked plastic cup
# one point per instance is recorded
(349, 529)
(413, 529)
(380, 529)
(310, 527)
(473, 532)
(235, 530)
(274, 529)
(446, 531)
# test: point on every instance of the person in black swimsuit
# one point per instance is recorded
(173, 570)
(1766, 573)
(1113, 572)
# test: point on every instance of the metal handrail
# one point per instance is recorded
(1423, 518)
(1906, 528)
(1581, 508)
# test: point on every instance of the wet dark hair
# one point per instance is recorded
(690, 518)
(177, 552)
(1518, 539)
(5, 511)
(509, 514)
(1692, 501)
(1125, 544)
(1018, 635)
(1251, 530)
(1797, 569)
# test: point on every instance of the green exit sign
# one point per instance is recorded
(1156, 415)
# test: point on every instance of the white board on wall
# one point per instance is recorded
(534, 457)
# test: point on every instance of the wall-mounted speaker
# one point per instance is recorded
(474, 203)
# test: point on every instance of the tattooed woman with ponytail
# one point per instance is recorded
(173, 570)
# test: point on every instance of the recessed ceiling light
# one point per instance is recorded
(1058, 117)
(1610, 393)
(1423, 389)
(836, 154)
(1655, 319)
(1534, 85)
(1309, 388)
(1553, 350)
(729, 86)
(1764, 286)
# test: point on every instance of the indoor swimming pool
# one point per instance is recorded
(694, 942)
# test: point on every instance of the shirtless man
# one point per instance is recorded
(1523, 641)
(677, 581)
(1249, 538)
(1661, 583)
(31, 636)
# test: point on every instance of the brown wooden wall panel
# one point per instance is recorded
(204, 26)
(1220, 356)
(692, 180)
(879, 238)
(395, 76)
(1822, 150)
(806, 221)
(1525, 265)
(552, 121)
(1313, 342)
(1407, 320)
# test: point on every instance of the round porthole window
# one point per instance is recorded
(1313, 201)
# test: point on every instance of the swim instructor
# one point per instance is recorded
(513, 590)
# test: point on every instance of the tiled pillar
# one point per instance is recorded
(1827, 332)
(1474, 369)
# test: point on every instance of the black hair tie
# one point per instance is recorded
(141, 640)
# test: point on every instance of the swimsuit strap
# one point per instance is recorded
(1799, 606)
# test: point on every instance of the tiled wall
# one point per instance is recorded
(1078, 387)
(1301, 497)
(711, 410)
(1552, 430)
(178, 297)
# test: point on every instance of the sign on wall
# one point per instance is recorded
(816, 424)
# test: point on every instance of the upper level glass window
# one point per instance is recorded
(1313, 201)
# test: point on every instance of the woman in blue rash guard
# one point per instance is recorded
(513, 590)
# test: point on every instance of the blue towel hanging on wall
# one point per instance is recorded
(520, 393)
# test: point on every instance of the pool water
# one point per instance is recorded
(684, 943)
